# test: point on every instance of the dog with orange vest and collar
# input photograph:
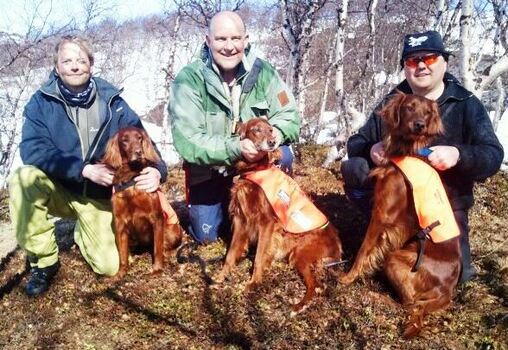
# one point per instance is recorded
(268, 207)
(412, 233)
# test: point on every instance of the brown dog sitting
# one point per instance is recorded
(141, 219)
(412, 229)
(296, 235)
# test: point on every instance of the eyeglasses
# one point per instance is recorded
(414, 61)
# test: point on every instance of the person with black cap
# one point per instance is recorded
(468, 151)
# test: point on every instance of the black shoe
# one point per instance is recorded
(40, 279)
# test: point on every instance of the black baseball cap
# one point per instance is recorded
(427, 41)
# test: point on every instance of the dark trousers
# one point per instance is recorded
(360, 190)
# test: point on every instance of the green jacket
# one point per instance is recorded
(201, 111)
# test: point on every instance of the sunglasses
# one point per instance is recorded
(428, 59)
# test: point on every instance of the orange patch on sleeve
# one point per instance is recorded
(283, 98)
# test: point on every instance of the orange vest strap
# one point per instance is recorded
(430, 199)
(295, 210)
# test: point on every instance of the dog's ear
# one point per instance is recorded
(435, 126)
(391, 110)
(148, 148)
(112, 156)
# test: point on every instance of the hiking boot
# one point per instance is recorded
(40, 279)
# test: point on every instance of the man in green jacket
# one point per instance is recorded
(227, 85)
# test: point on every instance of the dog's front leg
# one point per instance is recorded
(158, 246)
(366, 259)
(264, 256)
(239, 244)
(122, 244)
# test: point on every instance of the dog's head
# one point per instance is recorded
(411, 122)
(131, 146)
(260, 132)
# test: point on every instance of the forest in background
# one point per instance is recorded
(337, 56)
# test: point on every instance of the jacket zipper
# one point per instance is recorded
(103, 127)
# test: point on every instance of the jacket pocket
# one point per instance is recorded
(260, 109)
(216, 122)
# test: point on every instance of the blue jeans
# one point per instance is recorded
(208, 203)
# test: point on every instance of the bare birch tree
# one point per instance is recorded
(481, 70)
(21, 58)
(299, 24)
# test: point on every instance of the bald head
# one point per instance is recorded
(226, 18)
(227, 40)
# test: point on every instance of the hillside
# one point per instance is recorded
(180, 310)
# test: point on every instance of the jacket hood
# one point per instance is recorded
(106, 90)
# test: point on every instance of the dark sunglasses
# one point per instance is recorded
(414, 61)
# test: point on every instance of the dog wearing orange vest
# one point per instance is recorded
(267, 207)
(412, 230)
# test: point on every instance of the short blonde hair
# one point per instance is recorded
(82, 42)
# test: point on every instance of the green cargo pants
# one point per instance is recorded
(34, 196)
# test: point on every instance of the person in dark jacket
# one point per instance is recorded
(68, 122)
(468, 151)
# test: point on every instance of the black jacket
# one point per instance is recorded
(467, 127)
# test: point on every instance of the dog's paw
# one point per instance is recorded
(155, 271)
(297, 308)
(346, 279)
(250, 287)
(412, 330)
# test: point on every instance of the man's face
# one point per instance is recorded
(227, 41)
(73, 67)
(424, 71)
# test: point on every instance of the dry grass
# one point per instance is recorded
(180, 310)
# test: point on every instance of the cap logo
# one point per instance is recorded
(417, 41)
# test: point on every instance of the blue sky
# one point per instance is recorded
(15, 14)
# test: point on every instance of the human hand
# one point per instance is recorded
(148, 180)
(443, 157)
(377, 153)
(99, 173)
(249, 151)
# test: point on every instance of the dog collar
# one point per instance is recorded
(123, 186)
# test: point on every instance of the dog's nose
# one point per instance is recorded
(271, 143)
(419, 125)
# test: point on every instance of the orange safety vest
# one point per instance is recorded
(430, 199)
(295, 211)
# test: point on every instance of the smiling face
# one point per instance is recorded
(73, 67)
(227, 41)
(426, 80)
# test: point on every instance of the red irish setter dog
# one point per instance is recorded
(139, 219)
(254, 221)
(412, 122)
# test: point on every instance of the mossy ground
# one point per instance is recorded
(179, 309)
